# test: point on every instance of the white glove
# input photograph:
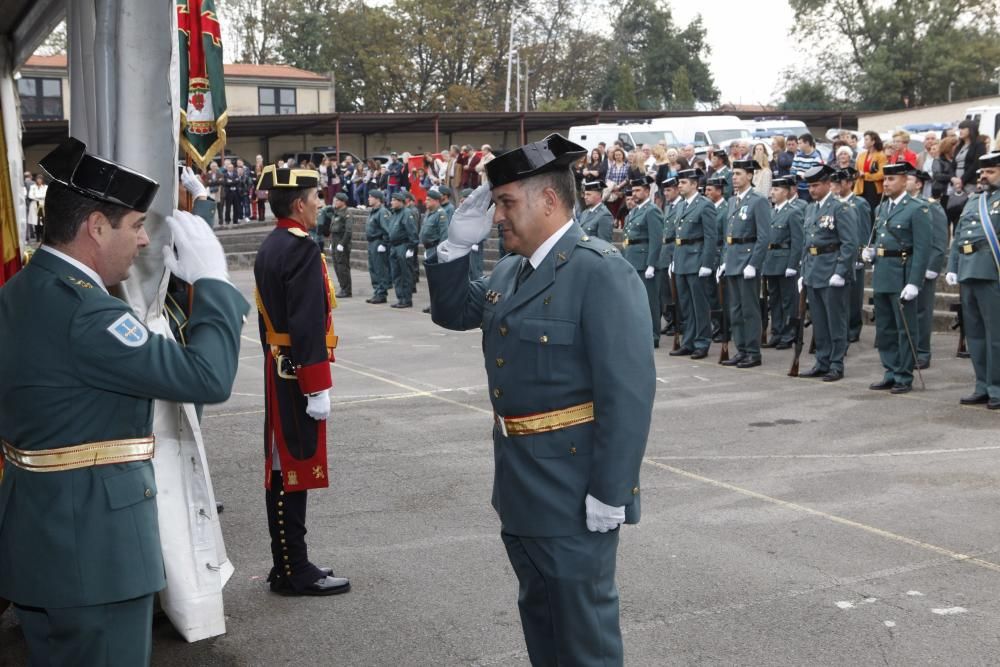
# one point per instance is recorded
(192, 183)
(601, 518)
(475, 247)
(791, 273)
(836, 281)
(951, 278)
(721, 271)
(472, 221)
(704, 272)
(868, 254)
(801, 283)
(380, 248)
(409, 254)
(930, 275)
(340, 248)
(650, 272)
(318, 405)
(199, 253)
(749, 273)
(670, 270)
(909, 293)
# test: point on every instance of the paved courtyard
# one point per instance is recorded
(785, 521)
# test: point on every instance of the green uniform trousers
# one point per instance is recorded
(402, 276)
(696, 314)
(653, 296)
(743, 301)
(781, 300)
(828, 307)
(856, 318)
(925, 319)
(105, 635)
(342, 267)
(567, 598)
(981, 312)
(378, 267)
(890, 336)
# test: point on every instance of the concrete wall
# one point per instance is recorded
(241, 97)
(940, 113)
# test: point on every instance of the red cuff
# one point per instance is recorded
(314, 377)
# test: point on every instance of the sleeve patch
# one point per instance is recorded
(129, 331)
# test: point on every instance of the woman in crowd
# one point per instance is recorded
(901, 149)
(843, 157)
(783, 158)
(761, 179)
(487, 157)
(36, 206)
(616, 179)
(943, 169)
(431, 170)
(869, 165)
(592, 171)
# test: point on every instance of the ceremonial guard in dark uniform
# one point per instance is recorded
(828, 255)
(671, 209)
(747, 232)
(571, 419)
(294, 303)
(340, 244)
(377, 233)
(714, 190)
(973, 263)
(782, 263)
(696, 229)
(915, 182)
(641, 241)
(596, 219)
(843, 181)
(902, 248)
(80, 553)
(403, 240)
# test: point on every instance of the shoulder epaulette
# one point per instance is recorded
(295, 231)
(599, 246)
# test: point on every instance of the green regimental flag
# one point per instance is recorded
(203, 85)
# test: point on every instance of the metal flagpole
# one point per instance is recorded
(510, 61)
(517, 64)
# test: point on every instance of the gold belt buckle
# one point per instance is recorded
(677, 241)
(813, 250)
(880, 252)
(729, 240)
(967, 248)
(625, 243)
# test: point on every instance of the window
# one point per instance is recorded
(273, 101)
(40, 98)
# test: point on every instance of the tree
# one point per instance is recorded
(888, 55)
(807, 96)
(681, 86)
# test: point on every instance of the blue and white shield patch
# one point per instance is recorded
(129, 331)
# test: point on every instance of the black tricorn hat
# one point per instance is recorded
(103, 180)
(690, 174)
(897, 169)
(551, 153)
(783, 182)
(990, 160)
(593, 186)
(745, 165)
(272, 178)
(641, 182)
(817, 174)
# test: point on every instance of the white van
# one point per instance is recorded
(989, 120)
(704, 131)
(762, 129)
(631, 135)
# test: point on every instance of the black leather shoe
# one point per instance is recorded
(783, 346)
(699, 354)
(923, 364)
(427, 310)
(378, 299)
(343, 295)
(717, 338)
(994, 404)
(962, 355)
(734, 361)
(833, 376)
(748, 363)
(901, 389)
(219, 508)
(814, 372)
(326, 586)
(407, 304)
(974, 399)
(882, 386)
(771, 343)
(369, 299)
(682, 352)
(656, 343)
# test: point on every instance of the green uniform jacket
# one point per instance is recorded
(697, 220)
(340, 229)
(77, 367)
(864, 219)
(546, 348)
(435, 228)
(403, 229)
(670, 213)
(750, 220)
(644, 236)
(377, 226)
(726, 173)
(597, 222)
(828, 223)
(939, 236)
(785, 244)
(908, 228)
(978, 264)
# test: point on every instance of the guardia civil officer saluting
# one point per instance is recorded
(973, 263)
(596, 219)
(294, 303)
(829, 249)
(641, 241)
(80, 553)
(571, 419)
(695, 255)
(902, 248)
(915, 182)
(747, 232)
(782, 262)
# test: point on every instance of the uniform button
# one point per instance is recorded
(282, 540)
(500, 363)
(281, 504)
(635, 490)
(280, 522)
(149, 493)
(503, 329)
(572, 450)
(285, 556)
(281, 532)
(498, 392)
(544, 339)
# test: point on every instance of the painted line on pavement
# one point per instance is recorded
(866, 455)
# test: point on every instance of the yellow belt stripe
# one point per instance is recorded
(81, 456)
(550, 421)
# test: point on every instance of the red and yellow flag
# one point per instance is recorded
(203, 84)
(10, 246)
